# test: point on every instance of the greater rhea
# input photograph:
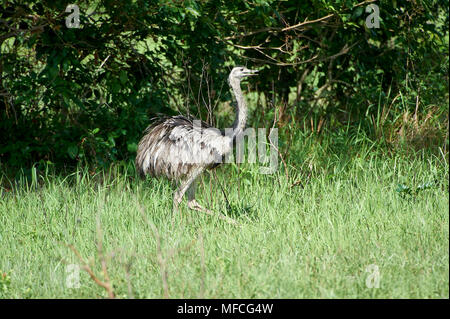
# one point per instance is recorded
(181, 148)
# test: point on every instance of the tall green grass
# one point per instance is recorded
(312, 230)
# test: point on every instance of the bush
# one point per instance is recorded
(85, 95)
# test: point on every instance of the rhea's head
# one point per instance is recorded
(240, 72)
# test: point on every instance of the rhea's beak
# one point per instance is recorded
(250, 72)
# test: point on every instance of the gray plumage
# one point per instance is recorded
(173, 146)
(181, 148)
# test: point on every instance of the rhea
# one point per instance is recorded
(181, 148)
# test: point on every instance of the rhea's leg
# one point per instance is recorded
(185, 185)
(191, 191)
(194, 205)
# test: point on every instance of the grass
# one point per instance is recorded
(311, 233)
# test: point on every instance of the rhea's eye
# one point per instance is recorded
(242, 69)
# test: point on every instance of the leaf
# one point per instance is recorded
(111, 140)
(401, 188)
(192, 11)
(72, 150)
(132, 147)
(123, 77)
(426, 185)
(114, 86)
(358, 12)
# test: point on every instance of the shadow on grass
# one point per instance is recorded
(241, 211)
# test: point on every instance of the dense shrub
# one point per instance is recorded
(70, 95)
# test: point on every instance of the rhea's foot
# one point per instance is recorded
(194, 205)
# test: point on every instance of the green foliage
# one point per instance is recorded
(71, 96)
(404, 190)
(310, 236)
(5, 283)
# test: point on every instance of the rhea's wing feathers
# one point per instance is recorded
(199, 142)
(172, 146)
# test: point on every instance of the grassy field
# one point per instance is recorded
(336, 227)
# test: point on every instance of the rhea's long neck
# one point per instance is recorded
(241, 108)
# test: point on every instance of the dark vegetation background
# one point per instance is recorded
(84, 96)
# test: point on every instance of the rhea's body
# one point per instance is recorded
(181, 148)
(175, 146)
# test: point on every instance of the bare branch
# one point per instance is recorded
(301, 24)
(85, 266)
